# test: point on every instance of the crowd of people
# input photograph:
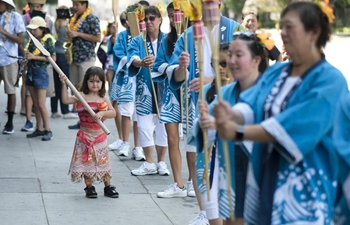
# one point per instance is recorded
(263, 147)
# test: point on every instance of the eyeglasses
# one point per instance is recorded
(151, 18)
(122, 21)
(223, 64)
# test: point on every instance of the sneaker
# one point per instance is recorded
(124, 150)
(8, 129)
(145, 169)
(47, 135)
(137, 154)
(90, 192)
(36, 133)
(190, 189)
(201, 219)
(75, 126)
(162, 169)
(70, 116)
(173, 191)
(28, 126)
(115, 145)
(111, 192)
(56, 115)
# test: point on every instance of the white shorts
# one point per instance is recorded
(149, 125)
(127, 109)
(185, 146)
(134, 116)
(212, 207)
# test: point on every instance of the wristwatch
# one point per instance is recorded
(239, 134)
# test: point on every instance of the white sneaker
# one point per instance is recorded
(190, 189)
(145, 169)
(199, 220)
(162, 169)
(137, 154)
(124, 150)
(173, 191)
(115, 145)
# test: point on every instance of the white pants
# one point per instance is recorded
(212, 207)
(149, 125)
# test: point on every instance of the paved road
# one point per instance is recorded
(36, 190)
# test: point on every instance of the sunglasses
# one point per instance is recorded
(122, 21)
(223, 64)
(246, 34)
(151, 18)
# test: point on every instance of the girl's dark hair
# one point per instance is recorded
(172, 36)
(313, 18)
(210, 96)
(256, 49)
(153, 10)
(91, 72)
(45, 30)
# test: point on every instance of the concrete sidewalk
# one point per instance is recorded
(36, 190)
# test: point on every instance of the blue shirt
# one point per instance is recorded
(14, 26)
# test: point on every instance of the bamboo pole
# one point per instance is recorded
(212, 17)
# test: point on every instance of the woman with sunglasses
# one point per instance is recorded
(289, 115)
(123, 96)
(148, 123)
(246, 60)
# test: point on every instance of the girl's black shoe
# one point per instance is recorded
(90, 192)
(111, 192)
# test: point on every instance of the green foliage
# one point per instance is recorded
(235, 5)
(342, 3)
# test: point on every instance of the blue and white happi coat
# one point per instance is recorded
(145, 102)
(341, 141)
(304, 188)
(236, 156)
(123, 87)
(227, 28)
(170, 110)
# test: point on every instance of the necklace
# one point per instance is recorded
(74, 24)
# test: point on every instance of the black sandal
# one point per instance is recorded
(111, 192)
(90, 192)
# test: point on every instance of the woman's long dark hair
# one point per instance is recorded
(172, 36)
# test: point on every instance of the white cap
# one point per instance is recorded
(36, 22)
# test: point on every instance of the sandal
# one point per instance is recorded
(111, 192)
(90, 192)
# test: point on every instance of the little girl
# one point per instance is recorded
(90, 158)
(37, 79)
